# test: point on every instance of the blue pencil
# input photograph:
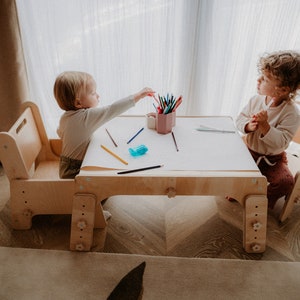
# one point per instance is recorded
(154, 107)
(135, 135)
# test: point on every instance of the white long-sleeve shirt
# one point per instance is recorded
(77, 126)
(284, 122)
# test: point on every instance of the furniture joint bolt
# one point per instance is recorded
(171, 192)
(81, 224)
(27, 213)
(256, 247)
(257, 225)
(79, 247)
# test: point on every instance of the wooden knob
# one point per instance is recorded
(81, 224)
(27, 213)
(256, 247)
(256, 225)
(171, 192)
(79, 247)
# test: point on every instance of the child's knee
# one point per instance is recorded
(286, 183)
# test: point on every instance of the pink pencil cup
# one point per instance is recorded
(165, 122)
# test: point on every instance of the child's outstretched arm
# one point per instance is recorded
(143, 93)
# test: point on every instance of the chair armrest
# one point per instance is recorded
(56, 146)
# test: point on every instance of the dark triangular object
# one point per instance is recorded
(130, 286)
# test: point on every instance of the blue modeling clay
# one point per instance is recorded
(138, 151)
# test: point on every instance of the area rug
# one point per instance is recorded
(54, 274)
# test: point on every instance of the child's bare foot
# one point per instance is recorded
(107, 215)
(230, 199)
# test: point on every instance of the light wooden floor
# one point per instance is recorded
(156, 225)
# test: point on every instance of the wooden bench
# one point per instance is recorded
(294, 165)
(31, 163)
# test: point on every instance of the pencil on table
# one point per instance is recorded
(111, 138)
(135, 135)
(173, 136)
(140, 169)
(115, 155)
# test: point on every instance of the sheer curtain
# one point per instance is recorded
(206, 50)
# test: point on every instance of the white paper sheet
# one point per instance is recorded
(198, 150)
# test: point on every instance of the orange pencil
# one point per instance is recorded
(115, 155)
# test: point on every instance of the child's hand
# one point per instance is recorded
(143, 93)
(261, 116)
(259, 120)
(252, 125)
(262, 121)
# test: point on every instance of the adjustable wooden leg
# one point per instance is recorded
(22, 220)
(255, 223)
(83, 219)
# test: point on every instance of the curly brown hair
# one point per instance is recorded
(283, 66)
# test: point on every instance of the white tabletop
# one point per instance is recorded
(198, 150)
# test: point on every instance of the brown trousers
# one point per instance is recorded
(279, 177)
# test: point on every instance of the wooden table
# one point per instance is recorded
(207, 163)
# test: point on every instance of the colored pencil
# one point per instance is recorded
(214, 130)
(173, 136)
(135, 135)
(168, 104)
(155, 107)
(111, 138)
(114, 155)
(141, 169)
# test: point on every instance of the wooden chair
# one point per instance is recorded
(294, 165)
(31, 164)
(291, 199)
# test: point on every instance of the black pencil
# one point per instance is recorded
(173, 136)
(141, 169)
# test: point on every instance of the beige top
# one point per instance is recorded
(283, 119)
(77, 126)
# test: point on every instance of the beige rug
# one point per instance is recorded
(53, 274)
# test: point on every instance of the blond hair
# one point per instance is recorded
(68, 87)
(285, 67)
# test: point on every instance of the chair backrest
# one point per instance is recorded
(21, 145)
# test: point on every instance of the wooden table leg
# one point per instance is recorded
(83, 222)
(255, 223)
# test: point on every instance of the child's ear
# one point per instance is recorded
(77, 103)
(283, 90)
